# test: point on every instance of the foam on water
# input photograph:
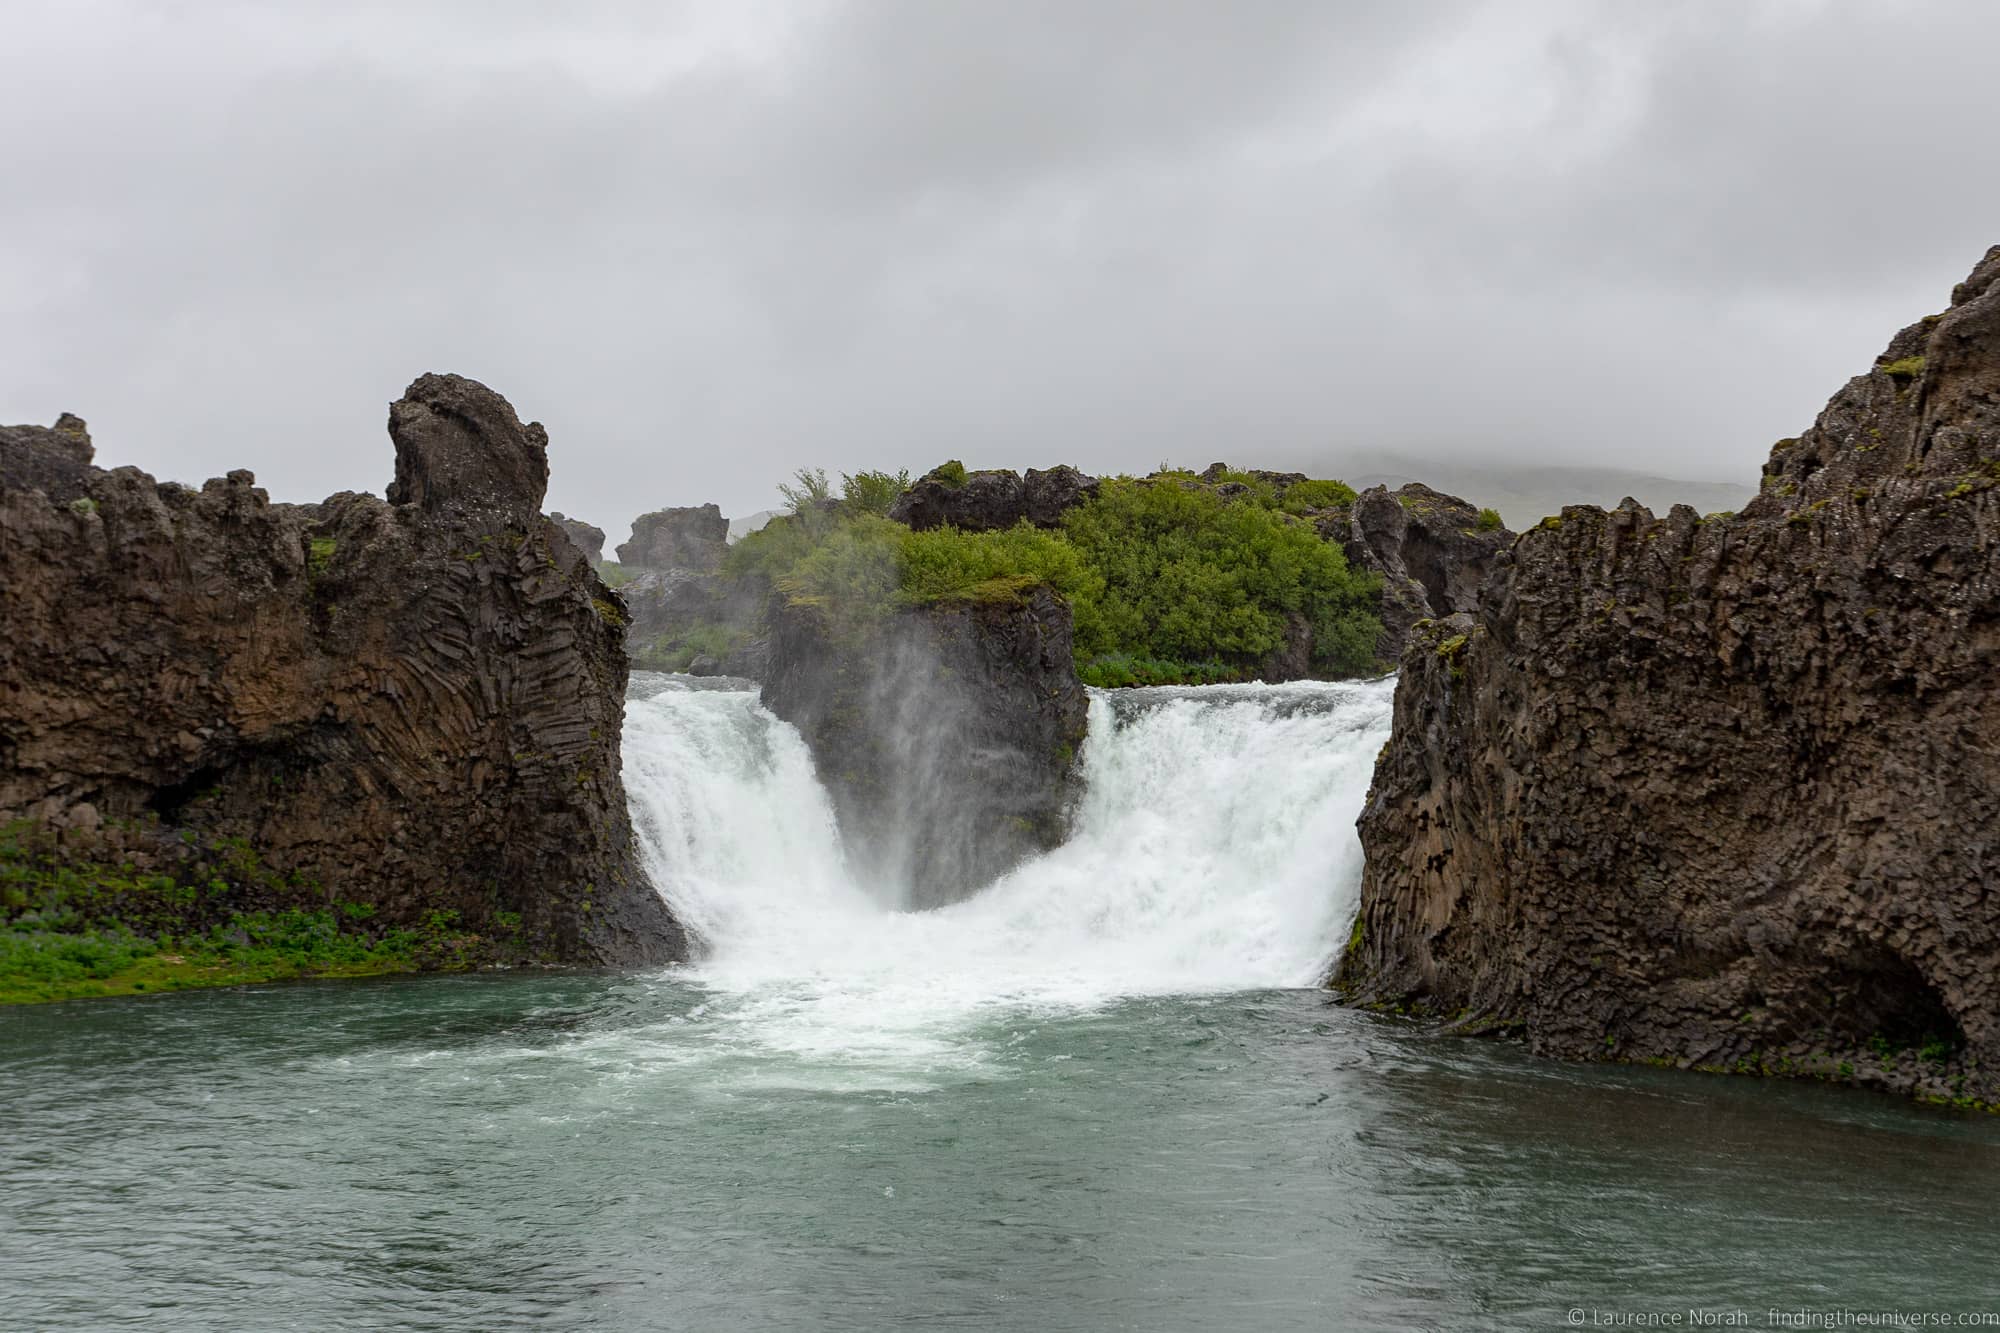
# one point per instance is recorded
(1213, 851)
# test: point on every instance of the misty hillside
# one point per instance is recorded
(1526, 495)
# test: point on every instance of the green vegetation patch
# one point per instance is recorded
(1168, 579)
(1908, 367)
(1303, 496)
(1489, 521)
(72, 927)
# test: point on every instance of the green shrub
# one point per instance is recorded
(872, 492)
(1190, 576)
(1301, 496)
(950, 473)
(943, 563)
(1490, 521)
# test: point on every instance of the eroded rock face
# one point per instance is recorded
(413, 705)
(1428, 547)
(994, 499)
(1723, 792)
(946, 735)
(694, 537)
(586, 537)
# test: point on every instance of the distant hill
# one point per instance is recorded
(739, 528)
(1526, 495)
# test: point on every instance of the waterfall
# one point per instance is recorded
(1213, 850)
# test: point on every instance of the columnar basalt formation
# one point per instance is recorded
(412, 705)
(1723, 791)
(946, 734)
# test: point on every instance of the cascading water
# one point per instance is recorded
(1214, 850)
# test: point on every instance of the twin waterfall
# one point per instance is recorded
(1214, 850)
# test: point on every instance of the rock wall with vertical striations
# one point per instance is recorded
(412, 704)
(1724, 792)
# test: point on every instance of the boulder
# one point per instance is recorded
(695, 537)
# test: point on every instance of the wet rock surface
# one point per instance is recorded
(1721, 792)
(946, 735)
(413, 705)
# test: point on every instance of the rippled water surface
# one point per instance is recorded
(590, 1152)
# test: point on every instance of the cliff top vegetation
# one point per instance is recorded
(1171, 578)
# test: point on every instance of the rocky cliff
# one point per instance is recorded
(1723, 792)
(1432, 552)
(692, 537)
(410, 705)
(945, 734)
(587, 538)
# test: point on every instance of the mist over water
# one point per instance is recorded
(1213, 851)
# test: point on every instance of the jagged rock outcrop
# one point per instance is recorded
(1431, 550)
(412, 705)
(586, 537)
(1723, 792)
(945, 734)
(949, 496)
(694, 537)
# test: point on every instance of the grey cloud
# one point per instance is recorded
(709, 243)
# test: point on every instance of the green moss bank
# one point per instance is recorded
(137, 910)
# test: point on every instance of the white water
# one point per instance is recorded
(1214, 851)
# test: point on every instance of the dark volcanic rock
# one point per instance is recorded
(946, 734)
(690, 538)
(1428, 548)
(990, 500)
(586, 537)
(1722, 792)
(53, 460)
(413, 705)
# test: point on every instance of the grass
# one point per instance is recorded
(73, 927)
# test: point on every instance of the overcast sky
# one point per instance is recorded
(708, 243)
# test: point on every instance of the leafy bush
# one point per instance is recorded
(1191, 577)
(1301, 496)
(945, 563)
(872, 492)
(808, 489)
(1490, 521)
